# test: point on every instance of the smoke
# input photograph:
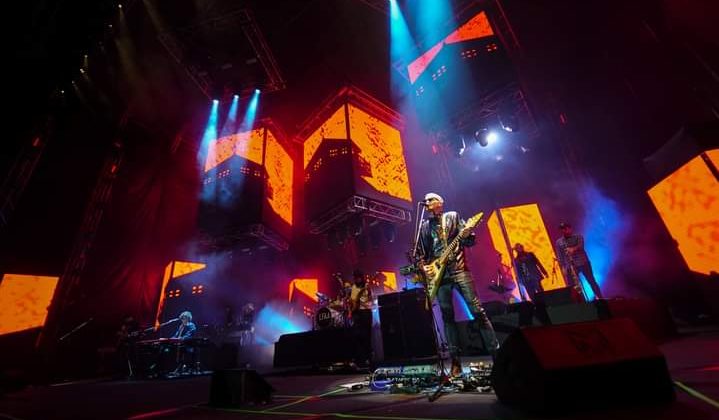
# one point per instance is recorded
(276, 319)
(604, 228)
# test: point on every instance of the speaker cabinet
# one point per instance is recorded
(236, 387)
(561, 296)
(589, 364)
(406, 326)
(315, 348)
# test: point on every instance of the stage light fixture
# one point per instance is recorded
(215, 101)
(390, 231)
(236, 96)
(509, 123)
(481, 137)
(492, 136)
(460, 146)
(485, 136)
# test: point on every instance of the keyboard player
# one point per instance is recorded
(187, 328)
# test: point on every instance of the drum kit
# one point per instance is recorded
(332, 313)
(335, 313)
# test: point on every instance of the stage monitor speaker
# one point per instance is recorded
(406, 326)
(652, 318)
(236, 387)
(561, 296)
(315, 348)
(589, 364)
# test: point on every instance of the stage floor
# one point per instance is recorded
(693, 361)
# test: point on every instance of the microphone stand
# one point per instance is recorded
(443, 377)
(76, 329)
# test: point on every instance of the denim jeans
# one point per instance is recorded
(588, 273)
(464, 283)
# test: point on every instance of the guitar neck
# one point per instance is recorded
(450, 249)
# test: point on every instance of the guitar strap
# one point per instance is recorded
(443, 229)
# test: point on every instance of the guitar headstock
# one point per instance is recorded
(474, 220)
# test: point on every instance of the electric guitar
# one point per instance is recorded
(434, 271)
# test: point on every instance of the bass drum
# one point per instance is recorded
(328, 318)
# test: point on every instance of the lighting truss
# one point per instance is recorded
(358, 204)
(246, 21)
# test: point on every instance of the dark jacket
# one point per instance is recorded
(186, 332)
(453, 224)
(529, 268)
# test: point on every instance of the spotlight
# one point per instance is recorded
(119, 6)
(236, 96)
(485, 136)
(215, 101)
(481, 137)
(492, 137)
(257, 91)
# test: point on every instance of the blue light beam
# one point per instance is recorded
(229, 126)
(603, 229)
(248, 121)
(210, 133)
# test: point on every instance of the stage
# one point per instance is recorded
(693, 361)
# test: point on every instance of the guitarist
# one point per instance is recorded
(574, 260)
(435, 233)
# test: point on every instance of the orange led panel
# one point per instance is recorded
(390, 281)
(524, 225)
(500, 245)
(714, 157)
(333, 128)
(220, 150)
(24, 300)
(308, 287)
(688, 203)
(279, 167)
(185, 267)
(419, 65)
(247, 144)
(380, 145)
(173, 270)
(161, 302)
(477, 27)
